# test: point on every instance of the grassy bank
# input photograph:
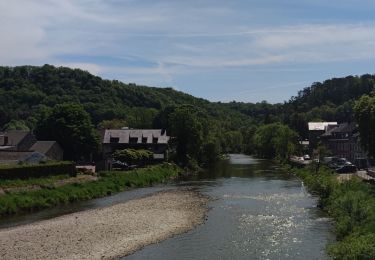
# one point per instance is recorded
(108, 183)
(351, 204)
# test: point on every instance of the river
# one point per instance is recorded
(257, 212)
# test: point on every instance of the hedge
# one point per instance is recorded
(37, 170)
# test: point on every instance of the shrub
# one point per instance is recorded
(37, 170)
(133, 156)
(352, 206)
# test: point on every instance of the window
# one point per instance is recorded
(114, 139)
(154, 140)
(144, 140)
(133, 140)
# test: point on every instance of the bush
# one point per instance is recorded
(133, 156)
(352, 206)
(37, 170)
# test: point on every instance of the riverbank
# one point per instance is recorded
(108, 232)
(108, 183)
(351, 204)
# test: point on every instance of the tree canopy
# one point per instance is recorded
(29, 93)
(70, 125)
(365, 115)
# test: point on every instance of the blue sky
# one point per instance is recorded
(219, 50)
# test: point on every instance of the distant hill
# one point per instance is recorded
(331, 100)
(27, 91)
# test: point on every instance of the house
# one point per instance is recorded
(316, 129)
(16, 140)
(22, 146)
(11, 156)
(155, 140)
(51, 149)
(343, 141)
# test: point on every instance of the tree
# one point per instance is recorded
(210, 150)
(365, 115)
(70, 125)
(320, 152)
(248, 139)
(187, 128)
(275, 140)
(16, 125)
(233, 141)
(112, 124)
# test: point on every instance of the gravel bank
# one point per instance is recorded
(108, 232)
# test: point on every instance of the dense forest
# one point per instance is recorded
(33, 97)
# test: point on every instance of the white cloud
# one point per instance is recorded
(168, 38)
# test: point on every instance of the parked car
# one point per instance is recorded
(338, 163)
(119, 165)
(349, 168)
(306, 157)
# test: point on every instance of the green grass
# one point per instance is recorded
(351, 204)
(108, 183)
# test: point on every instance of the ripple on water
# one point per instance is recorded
(270, 234)
(275, 197)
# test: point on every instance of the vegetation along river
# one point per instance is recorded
(257, 212)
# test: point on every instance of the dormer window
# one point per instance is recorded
(154, 140)
(144, 140)
(114, 139)
(133, 140)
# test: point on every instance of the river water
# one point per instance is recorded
(257, 212)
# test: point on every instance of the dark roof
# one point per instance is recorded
(43, 146)
(345, 128)
(342, 128)
(124, 135)
(14, 137)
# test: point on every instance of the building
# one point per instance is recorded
(22, 146)
(16, 140)
(51, 149)
(155, 140)
(343, 141)
(316, 129)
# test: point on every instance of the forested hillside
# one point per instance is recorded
(26, 90)
(331, 100)
(29, 94)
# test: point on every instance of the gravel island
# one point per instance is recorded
(108, 232)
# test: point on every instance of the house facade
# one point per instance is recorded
(316, 129)
(16, 140)
(22, 146)
(155, 140)
(343, 141)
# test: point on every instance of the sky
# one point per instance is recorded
(221, 50)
